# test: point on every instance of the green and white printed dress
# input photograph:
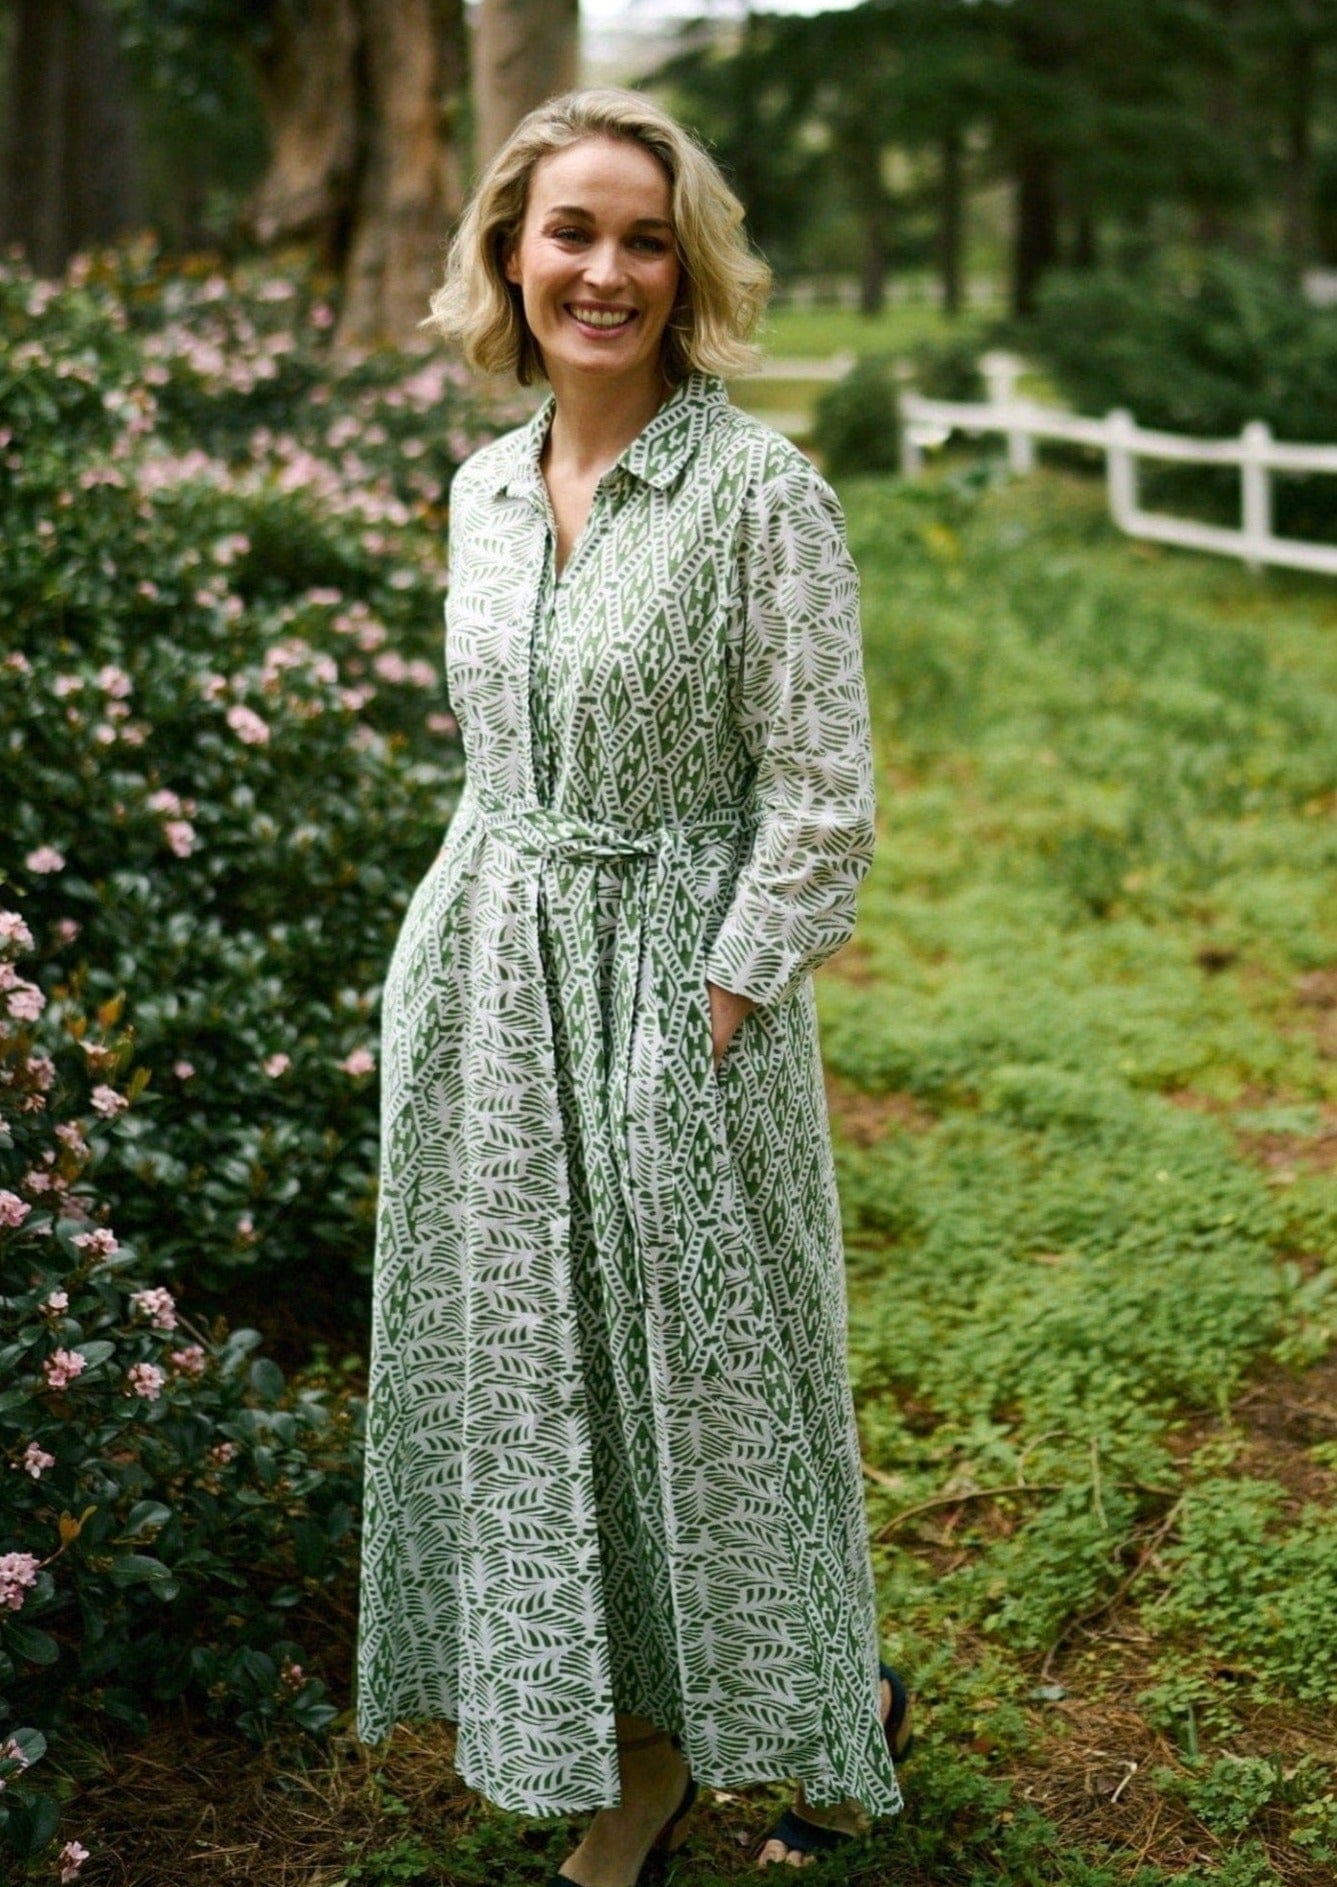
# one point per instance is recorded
(612, 1461)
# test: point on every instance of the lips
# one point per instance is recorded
(601, 320)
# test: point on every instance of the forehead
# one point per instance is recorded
(602, 174)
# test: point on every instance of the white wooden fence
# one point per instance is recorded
(926, 423)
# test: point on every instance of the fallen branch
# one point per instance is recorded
(970, 1493)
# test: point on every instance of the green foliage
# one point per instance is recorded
(948, 367)
(222, 725)
(1257, 1590)
(169, 1505)
(857, 422)
(1204, 354)
(1227, 1794)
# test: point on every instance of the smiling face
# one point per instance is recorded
(595, 260)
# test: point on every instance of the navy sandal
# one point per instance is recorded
(810, 1837)
(663, 1844)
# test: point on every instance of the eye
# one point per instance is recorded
(655, 244)
(569, 230)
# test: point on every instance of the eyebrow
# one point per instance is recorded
(638, 222)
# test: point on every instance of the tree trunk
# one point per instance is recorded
(1085, 245)
(307, 77)
(524, 52)
(951, 219)
(873, 260)
(70, 174)
(1299, 108)
(364, 103)
(410, 185)
(1035, 235)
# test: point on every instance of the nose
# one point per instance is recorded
(603, 265)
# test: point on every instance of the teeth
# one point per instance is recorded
(601, 318)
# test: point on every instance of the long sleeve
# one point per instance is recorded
(802, 706)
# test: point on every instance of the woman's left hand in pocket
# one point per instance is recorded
(726, 1012)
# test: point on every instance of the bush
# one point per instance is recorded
(167, 1505)
(857, 422)
(223, 732)
(950, 369)
(1201, 355)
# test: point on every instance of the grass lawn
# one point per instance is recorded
(1082, 1067)
(804, 332)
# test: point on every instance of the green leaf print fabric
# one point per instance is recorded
(612, 1461)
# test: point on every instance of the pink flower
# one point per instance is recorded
(148, 589)
(18, 662)
(72, 1857)
(68, 929)
(46, 858)
(107, 1102)
(43, 1071)
(442, 723)
(37, 1181)
(102, 1242)
(13, 930)
(71, 1134)
(18, 1571)
(246, 1229)
(36, 1460)
(183, 1070)
(165, 800)
(11, 1753)
(104, 733)
(360, 1062)
(146, 1379)
(223, 1451)
(56, 1301)
(114, 681)
(213, 687)
(276, 1065)
(26, 1002)
(247, 725)
(190, 1360)
(62, 1367)
(180, 835)
(13, 1210)
(158, 1304)
(67, 685)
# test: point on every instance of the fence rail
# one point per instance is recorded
(926, 423)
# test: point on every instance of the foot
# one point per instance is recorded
(846, 1817)
(618, 1839)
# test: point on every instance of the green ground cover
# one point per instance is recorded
(1082, 1069)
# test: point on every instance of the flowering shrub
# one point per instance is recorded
(223, 733)
(165, 1503)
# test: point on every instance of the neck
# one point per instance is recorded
(595, 419)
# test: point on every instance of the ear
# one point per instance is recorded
(510, 267)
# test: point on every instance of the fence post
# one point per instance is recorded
(912, 459)
(1256, 492)
(1001, 373)
(1121, 467)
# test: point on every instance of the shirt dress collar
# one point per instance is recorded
(656, 455)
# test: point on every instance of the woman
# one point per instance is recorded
(614, 1515)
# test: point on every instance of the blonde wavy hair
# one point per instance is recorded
(723, 285)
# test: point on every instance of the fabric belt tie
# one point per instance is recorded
(663, 1099)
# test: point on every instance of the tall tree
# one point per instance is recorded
(524, 52)
(71, 171)
(364, 100)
